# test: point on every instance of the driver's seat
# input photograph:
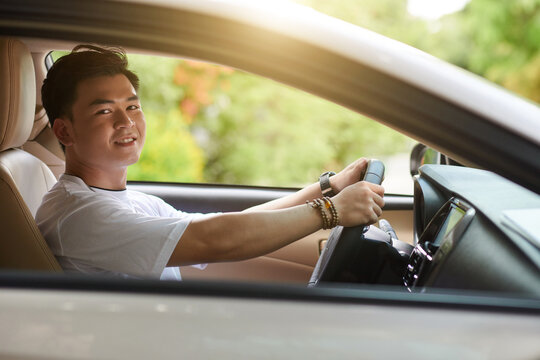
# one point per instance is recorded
(24, 179)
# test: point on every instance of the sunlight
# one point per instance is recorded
(434, 9)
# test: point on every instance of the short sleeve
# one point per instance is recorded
(113, 237)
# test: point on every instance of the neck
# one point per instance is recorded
(112, 179)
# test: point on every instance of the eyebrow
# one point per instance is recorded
(106, 101)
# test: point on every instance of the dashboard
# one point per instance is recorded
(464, 238)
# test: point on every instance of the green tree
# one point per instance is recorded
(499, 40)
(264, 133)
(504, 43)
(170, 153)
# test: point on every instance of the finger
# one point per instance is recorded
(376, 188)
(356, 169)
(362, 162)
(361, 165)
(379, 200)
(373, 217)
(377, 209)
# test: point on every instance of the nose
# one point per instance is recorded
(123, 120)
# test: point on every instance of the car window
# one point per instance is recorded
(214, 124)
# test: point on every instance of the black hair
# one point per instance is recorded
(58, 92)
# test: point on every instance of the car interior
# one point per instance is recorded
(452, 234)
(30, 138)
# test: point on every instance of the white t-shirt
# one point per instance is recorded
(121, 233)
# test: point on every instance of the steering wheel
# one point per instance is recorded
(360, 254)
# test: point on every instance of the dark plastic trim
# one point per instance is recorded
(235, 197)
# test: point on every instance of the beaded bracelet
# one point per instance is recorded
(317, 204)
(333, 211)
(322, 205)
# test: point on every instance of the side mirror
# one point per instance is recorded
(421, 154)
(417, 158)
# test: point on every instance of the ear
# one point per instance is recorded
(62, 128)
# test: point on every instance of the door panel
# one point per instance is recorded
(263, 268)
(293, 263)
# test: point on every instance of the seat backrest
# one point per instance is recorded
(24, 179)
(42, 142)
(44, 145)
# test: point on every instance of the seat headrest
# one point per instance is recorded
(17, 93)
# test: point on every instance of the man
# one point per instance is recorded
(94, 225)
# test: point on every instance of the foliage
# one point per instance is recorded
(499, 40)
(251, 130)
(170, 152)
(260, 132)
(504, 43)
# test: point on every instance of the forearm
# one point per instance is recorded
(239, 236)
(348, 176)
(310, 192)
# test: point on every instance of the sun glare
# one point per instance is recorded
(434, 9)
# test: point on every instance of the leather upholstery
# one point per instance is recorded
(24, 179)
(30, 175)
(44, 145)
(40, 122)
(21, 244)
(17, 93)
(41, 148)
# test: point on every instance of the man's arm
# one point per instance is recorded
(348, 176)
(244, 235)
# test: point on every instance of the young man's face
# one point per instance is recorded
(107, 127)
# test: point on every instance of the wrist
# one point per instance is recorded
(334, 181)
(327, 210)
(325, 184)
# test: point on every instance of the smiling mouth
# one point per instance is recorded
(126, 141)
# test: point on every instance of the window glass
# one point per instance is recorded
(213, 124)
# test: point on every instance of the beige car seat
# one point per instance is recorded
(42, 142)
(24, 179)
(44, 145)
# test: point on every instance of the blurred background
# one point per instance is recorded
(213, 124)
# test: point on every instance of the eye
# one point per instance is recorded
(133, 107)
(103, 112)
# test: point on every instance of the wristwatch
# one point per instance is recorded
(324, 181)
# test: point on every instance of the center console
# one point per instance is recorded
(439, 237)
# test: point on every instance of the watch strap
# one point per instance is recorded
(324, 182)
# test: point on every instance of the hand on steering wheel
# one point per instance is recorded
(358, 204)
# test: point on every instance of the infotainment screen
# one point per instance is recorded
(450, 222)
(436, 242)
